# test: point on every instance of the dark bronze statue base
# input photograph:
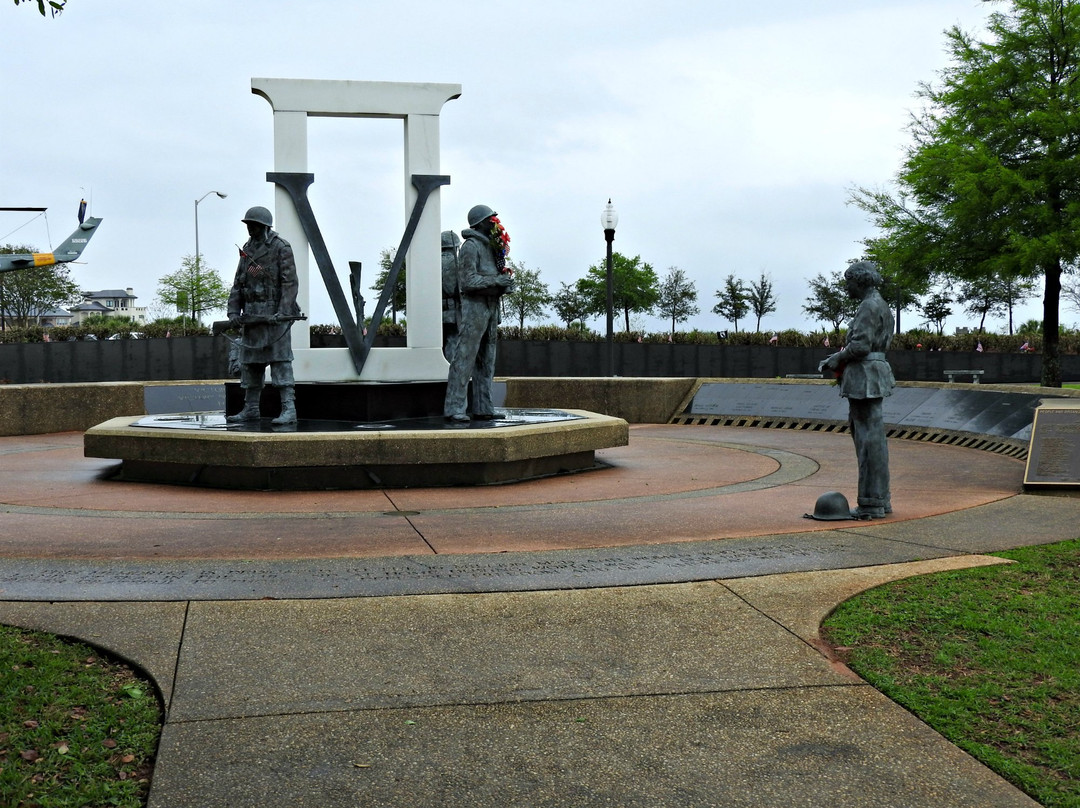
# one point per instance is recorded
(349, 401)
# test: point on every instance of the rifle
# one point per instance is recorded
(221, 326)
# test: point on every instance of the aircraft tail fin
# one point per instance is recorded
(69, 250)
(75, 243)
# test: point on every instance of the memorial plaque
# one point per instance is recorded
(945, 409)
(985, 412)
(1023, 434)
(722, 399)
(1008, 414)
(795, 401)
(790, 400)
(166, 398)
(1054, 452)
(902, 402)
(826, 405)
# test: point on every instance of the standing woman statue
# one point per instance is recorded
(483, 278)
(865, 378)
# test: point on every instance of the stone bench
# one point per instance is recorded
(974, 374)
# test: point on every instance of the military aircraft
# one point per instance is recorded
(68, 251)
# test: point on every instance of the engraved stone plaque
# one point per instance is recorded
(945, 409)
(770, 400)
(1007, 414)
(167, 398)
(902, 402)
(1054, 453)
(986, 412)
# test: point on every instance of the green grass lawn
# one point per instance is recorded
(76, 729)
(988, 657)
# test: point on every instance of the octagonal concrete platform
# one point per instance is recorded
(327, 455)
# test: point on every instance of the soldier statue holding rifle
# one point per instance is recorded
(262, 304)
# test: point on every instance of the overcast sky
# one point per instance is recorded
(728, 134)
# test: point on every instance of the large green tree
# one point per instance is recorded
(994, 297)
(678, 297)
(990, 186)
(634, 284)
(397, 300)
(571, 303)
(26, 293)
(936, 309)
(528, 297)
(194, 289)
(829, 300)
(900, 292)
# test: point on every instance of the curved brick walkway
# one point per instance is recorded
(641, 635)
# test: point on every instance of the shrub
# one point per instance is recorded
(548, 333)
(174, 327)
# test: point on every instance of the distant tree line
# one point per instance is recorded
(196, 289)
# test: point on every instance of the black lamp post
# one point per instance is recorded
(610, 219)
(195, 291)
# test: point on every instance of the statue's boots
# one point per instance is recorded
(251, 407)
(869, 512)
(288, 407)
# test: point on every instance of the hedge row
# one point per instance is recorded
(911, 340)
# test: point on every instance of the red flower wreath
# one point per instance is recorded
(500, 244)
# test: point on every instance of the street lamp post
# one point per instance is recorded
(198, 257)
(610, 219)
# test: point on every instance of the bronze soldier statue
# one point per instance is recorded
(451, 300)
(865, 378)
(482, 281)
(262, 303)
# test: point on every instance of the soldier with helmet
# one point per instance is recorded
(451, 302)
(262, 303)
(482, 281)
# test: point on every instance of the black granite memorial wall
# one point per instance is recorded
(192, 358)
(970, 409)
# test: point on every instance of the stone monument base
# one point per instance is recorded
(349, 401)
(204, 450)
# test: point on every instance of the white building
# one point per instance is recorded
(46, 319)
(109, 303)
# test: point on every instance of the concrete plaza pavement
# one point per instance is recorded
(644, 634)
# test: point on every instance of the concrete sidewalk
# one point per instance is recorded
(710, 691)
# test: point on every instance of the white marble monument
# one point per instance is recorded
(418, 106)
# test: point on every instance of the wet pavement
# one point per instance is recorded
(643, 634)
